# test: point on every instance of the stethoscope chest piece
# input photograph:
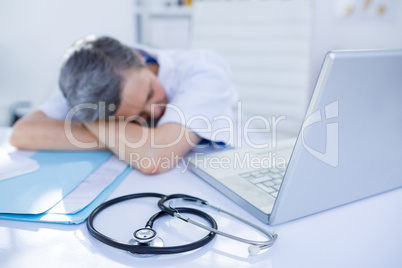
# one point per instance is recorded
(145, 237)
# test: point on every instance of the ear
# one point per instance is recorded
(141, 58)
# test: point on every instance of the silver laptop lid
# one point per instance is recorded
(350, 145)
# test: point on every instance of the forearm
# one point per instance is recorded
(151, 150)
(38, 132)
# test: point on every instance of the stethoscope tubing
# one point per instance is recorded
(142, 249)
(173, 212)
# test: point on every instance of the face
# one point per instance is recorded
(142, 95)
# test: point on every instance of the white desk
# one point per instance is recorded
(367, 233)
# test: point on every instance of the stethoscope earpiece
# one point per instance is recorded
(253, 250)
(255, 246)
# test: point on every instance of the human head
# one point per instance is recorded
(92, 72)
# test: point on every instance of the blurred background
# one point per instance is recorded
(275, 47)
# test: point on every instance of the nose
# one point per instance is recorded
(154, 111)
(144, 118)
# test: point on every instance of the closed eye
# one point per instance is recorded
(150, 94)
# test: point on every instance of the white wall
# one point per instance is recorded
(363, 28)
(34, 34)
(348, 24)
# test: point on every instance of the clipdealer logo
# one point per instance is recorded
(201, 124)
(331, 154)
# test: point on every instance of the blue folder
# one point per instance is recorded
(28, 197)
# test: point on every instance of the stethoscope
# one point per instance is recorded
(145, 241)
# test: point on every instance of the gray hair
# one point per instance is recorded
(91, 73)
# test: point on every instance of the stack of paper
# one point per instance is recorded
(12, 165)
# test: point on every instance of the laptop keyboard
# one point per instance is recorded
(268, 180)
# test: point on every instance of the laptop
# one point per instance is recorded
(349, 146)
